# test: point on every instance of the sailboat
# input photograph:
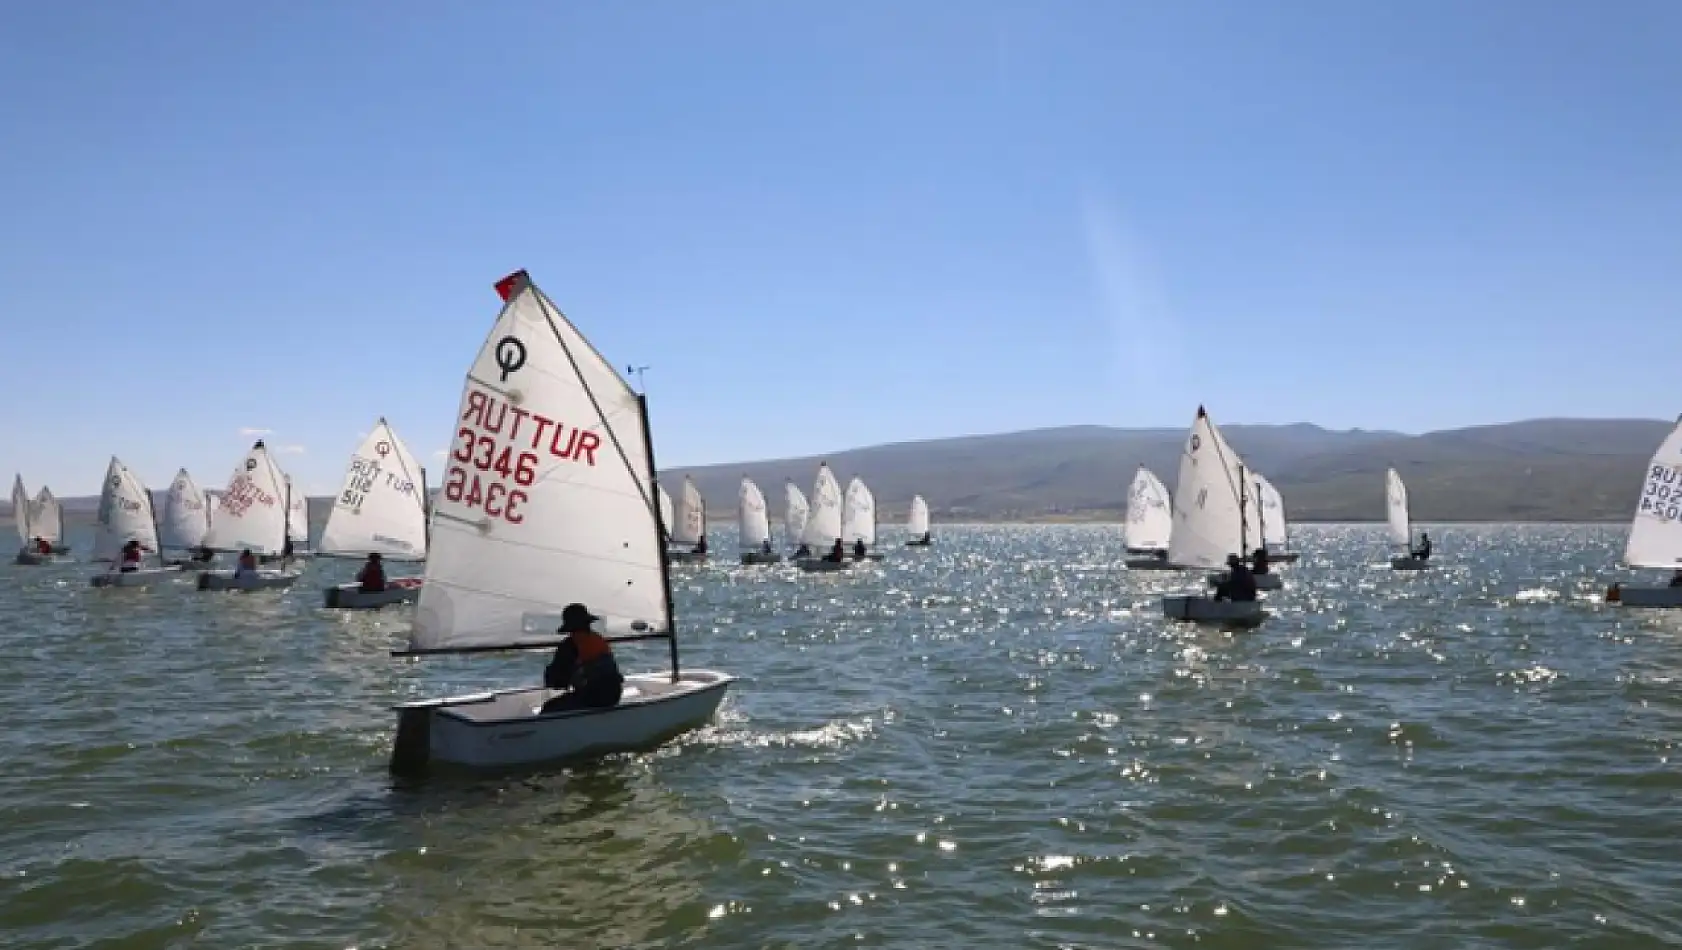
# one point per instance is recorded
(755, 521)
(186, 519)
(32, 523)
(823, 525)
(917, 523)
(381, 509)
(1268, 525)
(1211, 523)
(1150, 523)
(1655, 531)
(689, 533)
(297, 523)
(858, 521)
(576, 521)
(49, 519)
(126, 514)
(1275, 531)
(252, 517)
(795, 513)
(1396, 501)
(665, 514)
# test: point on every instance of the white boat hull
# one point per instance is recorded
(261, 580)
(1649, 596)
(144, 578)
(1408, 563)
(1194, 609)
(1263, 581)
(31, 557)
(817, 565)
(398, 590)
(760, 557)
(508, 728)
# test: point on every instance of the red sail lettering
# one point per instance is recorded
(475, 408)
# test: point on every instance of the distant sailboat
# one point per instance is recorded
(253, 517)
(795, 513)
(1150, 523)
(1211, 523)
(858, 521)
(381, 509)
(1396, 504)
(1655, 530)
(36, 523)
(755, 525)
(1275, 530)
(689, 534)
(509, 553)
(186, 518)
(917, 523)
(665, 513)
(126, 514)
(823, 526)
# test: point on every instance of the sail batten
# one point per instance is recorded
(548, 495)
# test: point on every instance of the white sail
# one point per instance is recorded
(666, 521)
(1396, 501)
(1210, 516)
(823, 521)
(1270, 508)
(253, 510)
(46, 517)
(918, 521)
(691, 516)
(795, 512)
(858, 513)
(21, 510)
(297, 516)
(1150, 517)
(1655, 534)
(754, 515)
(186, 518)
(549, 496)
(381, 508)
(125, 514)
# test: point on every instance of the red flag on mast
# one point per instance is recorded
(508, 286)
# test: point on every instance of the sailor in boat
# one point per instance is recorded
(583, 666)
(925, 539)
(765, 546)
(836, 554)
(129, 560)
(203, 555)
(701, 546)
(42, 547)
(804, 550)
(1239, 585)
(246, 565)
(1258, 560)
(1423, 552)
(372, 575)
(859, 550)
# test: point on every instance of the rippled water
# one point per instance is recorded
(994, 742)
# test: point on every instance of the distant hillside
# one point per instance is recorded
(1536, 470)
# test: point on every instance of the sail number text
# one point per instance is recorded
(1662, 497)
(497, 451)
(242, 494)
(364, 473)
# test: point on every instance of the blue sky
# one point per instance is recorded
(830, 225)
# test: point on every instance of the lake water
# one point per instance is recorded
(996, 742)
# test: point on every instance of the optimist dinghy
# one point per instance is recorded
(1149, 523)
(823, 525)
(381, 509)
(690, 531)
(1210, 524)
(252, 517)
(917, 523)
(858, 521)
(1655, 532)
(126, 514)
(1396, 503)
(755, 526)
(574, 518)
(35, 521)
(185, 520)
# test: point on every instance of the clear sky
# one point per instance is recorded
(829, 225)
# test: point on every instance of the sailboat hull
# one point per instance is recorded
(1151, 564)
(398, 590)
(817, 565)
(1286, 557)
(1208, 610)
(1263, 581)
(760, 557)
(261, 580)
(1408, 563)
(135, 578)
(507, 728)
(33, 557)
(1649, 596)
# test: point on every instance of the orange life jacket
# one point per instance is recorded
(591, 646)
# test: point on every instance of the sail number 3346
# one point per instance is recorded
(488, 491)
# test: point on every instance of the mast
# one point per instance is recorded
(1261, 517)
(660, 535)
